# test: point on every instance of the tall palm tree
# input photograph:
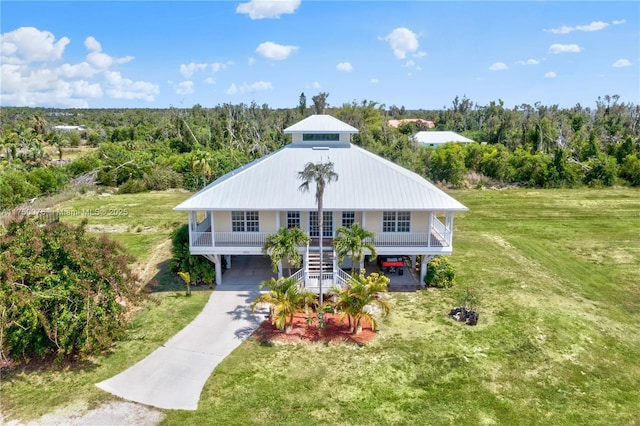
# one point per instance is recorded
(352, 241)
(284, 244)
(321, 174)
(285, 299)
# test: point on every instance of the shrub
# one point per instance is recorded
(162, 178)
(440, 273)
(201, 271)
(62, 293)
(132, 186)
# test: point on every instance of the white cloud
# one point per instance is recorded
(185, 88)
(409, 64)
(258, 86)
(564, 48)
(261, 9)
(274, 51)
(92, 44)
(28, 44)
(594, 26)
(251, 61)
(81, 70)
(124, 88)
(210, 80)
(420, 54)
(101, 60)
(344, 66)
(621, 63)
(498, 66)
(619, 21)
(315, 85)
(528, 62)
(550, 74)
(189, 69)
(402, 40)
(374, 81)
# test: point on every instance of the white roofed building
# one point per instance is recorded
(234, 214)
(433, 138)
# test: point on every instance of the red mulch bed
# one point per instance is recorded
(336, 331)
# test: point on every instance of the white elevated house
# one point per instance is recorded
(234, 214)
(435, 138)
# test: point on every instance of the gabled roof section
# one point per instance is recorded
(439, 137)
(365, 182)
(320, 123)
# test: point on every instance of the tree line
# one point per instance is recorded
(153, 149)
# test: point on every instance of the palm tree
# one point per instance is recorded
(321, 174)
(352, 241)
(284, 244)
(362, 292)
(285, 299)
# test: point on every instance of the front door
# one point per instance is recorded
(327, 225)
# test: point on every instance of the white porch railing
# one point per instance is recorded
(342, 278)
(201, 239)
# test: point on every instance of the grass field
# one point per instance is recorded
(558, 343)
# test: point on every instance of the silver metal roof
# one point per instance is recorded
(438, 137)
(365, 182)
(320, 123)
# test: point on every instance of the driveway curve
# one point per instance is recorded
(172, 377)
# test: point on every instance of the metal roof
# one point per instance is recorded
(365, 182)
(320, 123)
(438, 137)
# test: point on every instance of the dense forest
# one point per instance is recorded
(137, 150)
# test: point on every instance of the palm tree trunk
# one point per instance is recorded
(321, 234)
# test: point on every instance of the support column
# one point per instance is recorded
(413, 263)
(218, 263)
(280, 268)
(227, 258)
(423, 268)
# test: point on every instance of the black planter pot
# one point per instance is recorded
(462, 314)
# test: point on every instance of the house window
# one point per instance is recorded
(327, 225)
(348, 218)
(396, 221)
(293, 219)
(245, 221)
(321, 137)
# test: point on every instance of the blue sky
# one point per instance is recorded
(417, 54)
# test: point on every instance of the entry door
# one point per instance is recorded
(327, 225)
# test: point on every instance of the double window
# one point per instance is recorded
(348, 218)
(396, 221)
(293, 219)
(245, 221)
(327, 225)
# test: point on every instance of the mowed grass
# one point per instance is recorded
(141, 222)
(557, 342)
(32, 391)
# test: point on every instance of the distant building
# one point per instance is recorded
(436, 138)
(428, 124)
(69, 128)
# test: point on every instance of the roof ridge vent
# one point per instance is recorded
(320, 148)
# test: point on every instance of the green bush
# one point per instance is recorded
(15, 188)
(62, 293)
(161, 178)
(200, 269)
(440, 273)
(132, 186)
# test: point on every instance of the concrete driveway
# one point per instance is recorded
(172, 377)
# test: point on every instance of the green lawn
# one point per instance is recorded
(139, 221)
(557, 342)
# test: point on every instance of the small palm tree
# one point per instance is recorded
(321, 174)
(353, 301)
(284, 244)
(285, 299)
(352, 241)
